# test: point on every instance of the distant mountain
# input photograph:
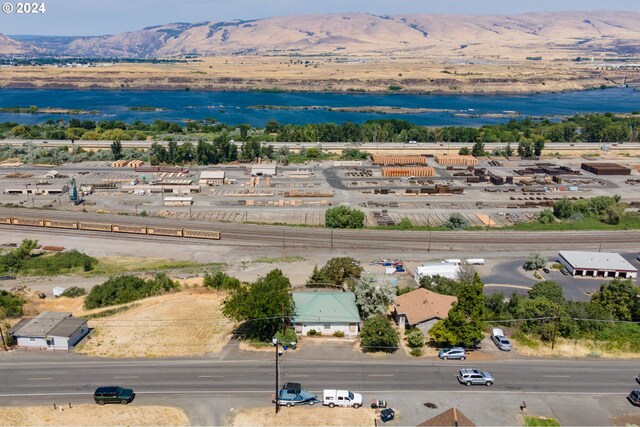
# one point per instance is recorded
(443, 36)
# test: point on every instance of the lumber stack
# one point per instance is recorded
(397, 171)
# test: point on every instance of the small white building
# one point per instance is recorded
(50, 330)
(177, 201)
(449, 270)
(597, 264)
(210, 178)
(326, 313)
(263, 170)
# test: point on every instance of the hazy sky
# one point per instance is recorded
(95, 17)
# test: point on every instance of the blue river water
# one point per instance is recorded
(239, 107)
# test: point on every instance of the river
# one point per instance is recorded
(240, 107)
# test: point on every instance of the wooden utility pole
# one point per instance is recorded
(4, 343)
(277, 375)
(555, 329)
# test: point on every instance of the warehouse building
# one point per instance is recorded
(263, 170)
(450, 270)
(208, 178)
(597, 264)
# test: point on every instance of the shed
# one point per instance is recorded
(326, 313)
(50, 330)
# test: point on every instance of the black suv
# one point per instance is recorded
(113, 394)
(634, 397)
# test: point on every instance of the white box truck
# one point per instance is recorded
(333, 398)
(475, 261)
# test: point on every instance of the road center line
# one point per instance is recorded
(43, 378)
(210, 376)
(380, 375)
(130, 376)
(557, 376)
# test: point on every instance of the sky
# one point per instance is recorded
(98, 17)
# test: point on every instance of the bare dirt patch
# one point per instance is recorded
(303, 416)
(626, 420)
(185, 323)
(569, 348)
(93, 415)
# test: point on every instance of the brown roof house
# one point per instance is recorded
(421, 309)
(450, 417)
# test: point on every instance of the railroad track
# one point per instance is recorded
(234, 234)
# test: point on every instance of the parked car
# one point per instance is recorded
(113, 394)
(452, 353)
(498, 338)
(546, 270)
(469, 377)
(564, 271)
(634, 397)
(333, 398)
(293, 394)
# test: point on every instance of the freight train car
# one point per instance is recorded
(60, 224)
(94, 226)
(5, 220)
(134, 229)
(164, 231)
(28, 221)
(202, 234)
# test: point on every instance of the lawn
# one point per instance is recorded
(540, 421)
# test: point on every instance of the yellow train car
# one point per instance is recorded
(5, 220)
(133, 229)
(202, 234)
(61, 224)
(94, 226)
(28, 221)
(164, 231)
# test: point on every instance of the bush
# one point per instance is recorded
(338, 334)
(311, 332)
(10, 305)
(74, 292)
(405, 224)
(343, 217)
(221, 281)
(456, 222)
(417, 352)
(534, 261)
(288, 337)
(58, 263)
(124, 289)
(415, 338)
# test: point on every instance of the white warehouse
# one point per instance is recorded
(450, 270)
(597, 264)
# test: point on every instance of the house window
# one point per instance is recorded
(327, 326)
(31, 339)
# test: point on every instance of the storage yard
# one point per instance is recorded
(424, 188)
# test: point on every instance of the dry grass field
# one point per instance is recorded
(322, 74)
(571, 348)
(93, 415)
(303, 416)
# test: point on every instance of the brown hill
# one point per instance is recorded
(9, 46)
(550, 35)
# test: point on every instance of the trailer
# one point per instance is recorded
(164, 231)
(94, 226)
(475, 261)
(60, 224)
(134, 229)
(201, 234)
(28, 221)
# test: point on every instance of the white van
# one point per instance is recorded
(333, 398)
(453, 261)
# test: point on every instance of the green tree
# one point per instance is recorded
(379, 334)
(508, 151)
(344, 217)
(538, 146)
(464, 325)
(621, 298)
(443, 285)
(534, 261)
(339, 271)
(74, 292)
(259, 306)
(10, 304)
(405, 224)
(221, 281)
(373, 297)
(317, 277)
(546, 217)
(456, 222)
(464, 151)
(116, 149)
(547, 289)
(478, 149)
(525, 149)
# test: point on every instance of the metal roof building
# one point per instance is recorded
(450, 270)
(50, 330)
(326, 313)
(597, 264)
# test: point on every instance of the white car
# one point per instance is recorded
(333, 398)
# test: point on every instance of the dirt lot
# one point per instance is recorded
(93, 415)
(303, 416)
(570, 348)
(186, 323)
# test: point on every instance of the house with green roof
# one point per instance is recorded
(326, 313)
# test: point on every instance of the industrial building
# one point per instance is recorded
(450, 270)
(263, 170)
(50, 330)
(177, 201)
(210, 178)
(597, 264)
(38, 190)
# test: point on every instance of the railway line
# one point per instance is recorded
(255, 235)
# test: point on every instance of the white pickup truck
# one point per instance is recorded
(333, 398)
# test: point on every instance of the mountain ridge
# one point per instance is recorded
(548, 34)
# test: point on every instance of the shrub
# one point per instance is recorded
(379, 334)
(338, 334)
(415, 338)
(220, 280)
(456, 222)
(344, 217)
(311, 332)
(534, 261)
(417, 352)
(124, 289)
(405, 224)
(10, 304)
(74, 292)
(288, 337)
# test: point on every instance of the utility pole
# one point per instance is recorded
(332, 239)
(275, 345)
(4, 343)
(600, 248)
(283, 245)
(555, 329)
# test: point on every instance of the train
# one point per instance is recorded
(113, 228)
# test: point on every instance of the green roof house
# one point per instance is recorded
(326, 313)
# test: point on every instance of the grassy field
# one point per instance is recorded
(284, 259)
(630, 221)
(118, 265)
(529, 421)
